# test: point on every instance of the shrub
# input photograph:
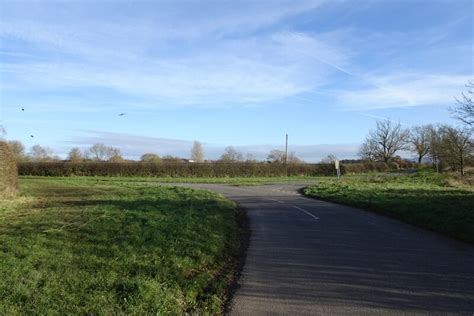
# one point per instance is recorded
(8, 171)
(365, 167)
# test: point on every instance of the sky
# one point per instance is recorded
(240, 73)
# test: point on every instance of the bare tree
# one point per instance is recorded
(150, 157)
(293, 159)
(18, 149)
(75, 155)
(231, 155)
(39, 153)
(464, 108)
(3, 132)
(419, 141)
(98, 152)
(368, 150)
(250, 158)
(276, 156)
(456, 146)
(197, 153)
(114, 155)
(384, 142)
(435, 141)
(329, 159)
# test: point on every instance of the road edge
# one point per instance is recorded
(238, 261)
(381, 212)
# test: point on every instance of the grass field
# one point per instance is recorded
(426, 199)
(74, 246)
(131, 181)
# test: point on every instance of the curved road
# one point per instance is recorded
(312, 257)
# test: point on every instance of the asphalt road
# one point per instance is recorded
(313, 257)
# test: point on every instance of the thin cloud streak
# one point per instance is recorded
(404, 91)
(377, 117)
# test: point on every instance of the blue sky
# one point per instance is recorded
(228, 72)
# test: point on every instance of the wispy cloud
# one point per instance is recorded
(235, 56)
(378, 117)
(170, 56)
(224, 81)
(133, 145)
(317, 48)
(404, 90)
(233, 73)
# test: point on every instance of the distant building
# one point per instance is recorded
(188, 160)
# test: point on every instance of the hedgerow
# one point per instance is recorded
(8, 171)
(66, 169)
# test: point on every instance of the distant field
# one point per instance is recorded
(71, 246)
(138, 181)
(437, 202)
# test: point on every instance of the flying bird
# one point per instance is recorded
(121, 114)
(31, 136)
(23, 109)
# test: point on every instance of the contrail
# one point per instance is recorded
(383, 118)
(350, 73)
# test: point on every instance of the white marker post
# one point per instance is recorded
(338, 170)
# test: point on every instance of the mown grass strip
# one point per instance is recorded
(140, 181)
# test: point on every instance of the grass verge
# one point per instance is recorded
(429, 200)
(82, 247)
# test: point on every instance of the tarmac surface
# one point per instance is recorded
(310, 257)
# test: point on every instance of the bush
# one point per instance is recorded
(8, 171)
(364, 167)
(141, 169)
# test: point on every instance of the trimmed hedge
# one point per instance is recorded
(140, 169)
(8, 171)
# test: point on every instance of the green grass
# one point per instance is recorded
(74, 246)
(429, 200)
(223, 180)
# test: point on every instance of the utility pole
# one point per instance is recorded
(286, 156)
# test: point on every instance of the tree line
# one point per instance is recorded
(102, 153)
(446, 146)
(38, 153)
